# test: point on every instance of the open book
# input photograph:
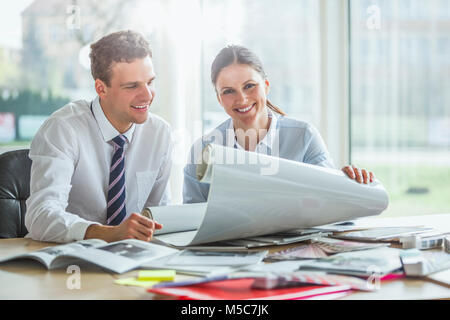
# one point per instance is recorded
(254, 194)
(118, 257)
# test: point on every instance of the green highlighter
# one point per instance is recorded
(156, 275)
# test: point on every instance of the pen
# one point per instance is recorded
(242, 275)
(190, 282)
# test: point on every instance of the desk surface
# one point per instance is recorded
(31, 280)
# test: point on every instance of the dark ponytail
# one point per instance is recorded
(241, 55)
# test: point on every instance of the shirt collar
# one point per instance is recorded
(106, 128)
(268, 141)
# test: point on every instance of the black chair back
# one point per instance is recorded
(15, 167)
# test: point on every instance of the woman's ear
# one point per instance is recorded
(267, 86)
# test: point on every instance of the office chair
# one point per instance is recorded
(15, 167)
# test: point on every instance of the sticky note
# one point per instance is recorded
(135, 282)
(157, 275)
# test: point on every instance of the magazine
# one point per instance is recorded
(118, 257)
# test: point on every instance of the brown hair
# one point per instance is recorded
(241, 55)
(122, 46)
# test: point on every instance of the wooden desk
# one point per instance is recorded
(30, 280)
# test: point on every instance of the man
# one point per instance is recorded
(97, 164)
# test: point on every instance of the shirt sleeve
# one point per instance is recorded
(316, 150)
(193, 190)
(54, 153)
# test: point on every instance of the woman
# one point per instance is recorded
(255, 124)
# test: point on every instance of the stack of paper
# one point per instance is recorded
(277, 239)
(207, 263)
(306, 251)
(195, 270)
(381, 261)
(321, 248)
(332, 246)
(381, 234)
(289, 279)
(206, 258)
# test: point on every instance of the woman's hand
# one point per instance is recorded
(360, 175)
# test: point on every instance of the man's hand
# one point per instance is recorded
(360, 175)
(135, 227)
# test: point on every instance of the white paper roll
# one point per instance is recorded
(253, 194)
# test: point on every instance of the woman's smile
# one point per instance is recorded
(245, 109)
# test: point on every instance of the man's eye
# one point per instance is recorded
(130, 87)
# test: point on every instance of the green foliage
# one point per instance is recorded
(399, 179)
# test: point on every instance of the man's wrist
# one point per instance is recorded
(96, 231)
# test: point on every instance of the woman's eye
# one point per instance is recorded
(227, 91)
(249, 85)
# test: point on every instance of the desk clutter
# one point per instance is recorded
(327, 262)
(319, 265)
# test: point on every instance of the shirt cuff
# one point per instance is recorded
(77, 231)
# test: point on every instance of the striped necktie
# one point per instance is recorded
(116, 210)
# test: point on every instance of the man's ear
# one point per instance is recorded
(101, 88)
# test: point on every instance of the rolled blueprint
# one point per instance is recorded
(254, 194)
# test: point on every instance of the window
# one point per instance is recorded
(400, 102)
(43, 57)
(399, 73)
(284, 35)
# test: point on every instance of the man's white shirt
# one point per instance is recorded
(71, 158)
